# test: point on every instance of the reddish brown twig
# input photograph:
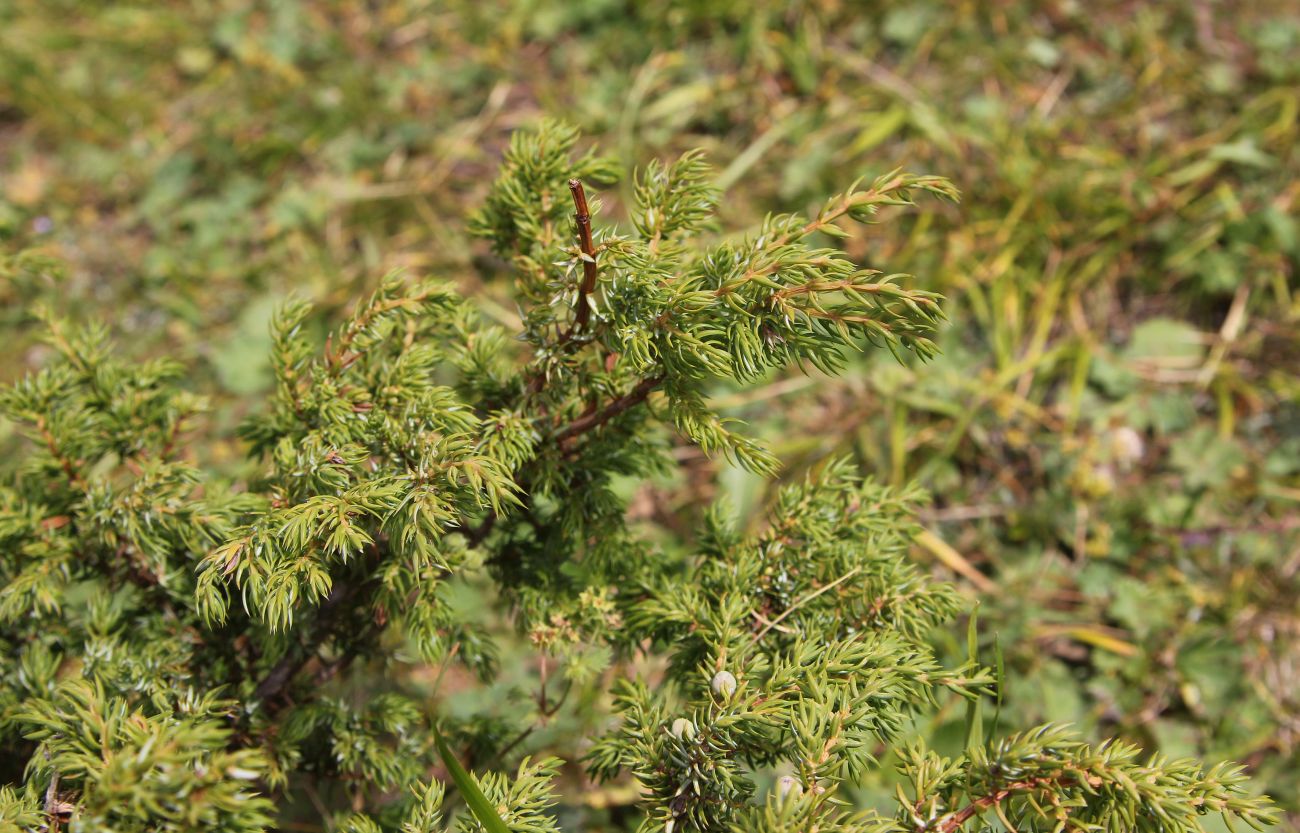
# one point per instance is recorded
(329, 616)
(582, 309)
(582, 217)
(595, 419)
(953, 822)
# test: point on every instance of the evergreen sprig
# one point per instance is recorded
(173, 644)
(1049, 779)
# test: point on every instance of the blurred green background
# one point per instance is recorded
(1111, 436)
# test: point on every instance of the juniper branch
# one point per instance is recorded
(419, 446)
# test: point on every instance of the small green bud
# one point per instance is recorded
(723, 684)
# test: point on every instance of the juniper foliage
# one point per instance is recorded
(173, 645)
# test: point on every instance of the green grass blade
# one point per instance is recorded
(1001, 685)
(974, 713)
(474, 798)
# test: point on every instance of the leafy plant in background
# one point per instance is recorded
(182, 654)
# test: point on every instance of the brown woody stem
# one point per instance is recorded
(595, 419)
(954, 822)
(582, 217)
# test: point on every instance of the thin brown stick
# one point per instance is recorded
(595, 419)
(270, 689)
(953, 822)
(546, 713)
(803, 600)
(296, 658)
(582, 217)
